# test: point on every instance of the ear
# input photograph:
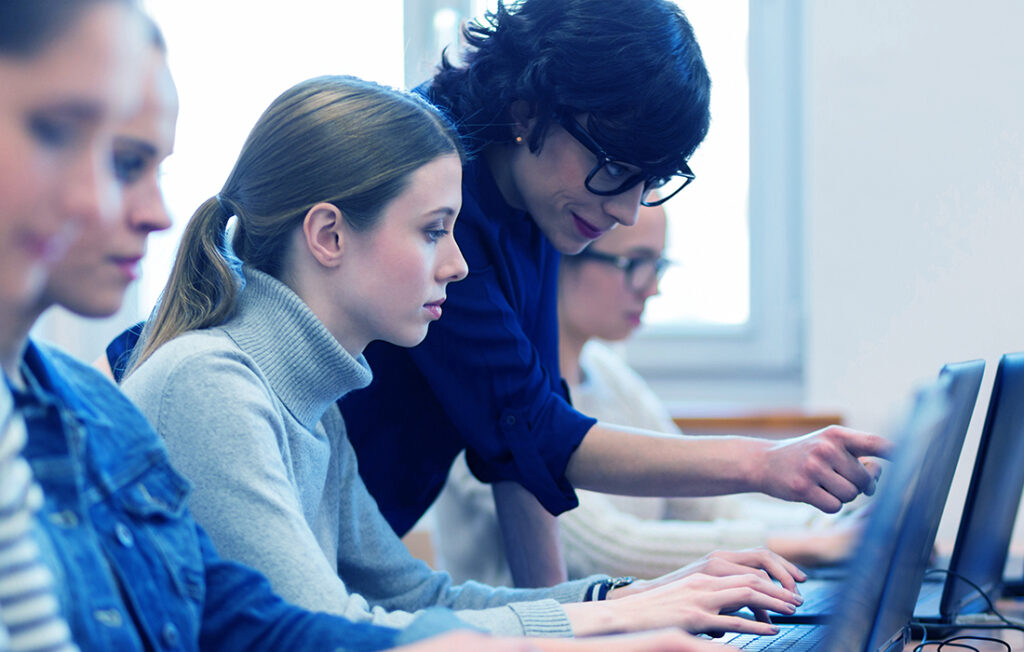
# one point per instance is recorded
(521, 113)
(324, 231)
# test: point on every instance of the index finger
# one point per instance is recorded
(742, 625)
(778, 567)
(862, 444)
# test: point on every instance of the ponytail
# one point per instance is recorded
(339, 140)
(202, 288)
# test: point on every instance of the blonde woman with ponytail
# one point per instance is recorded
(344, 197)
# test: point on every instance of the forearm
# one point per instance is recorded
(619, 460)
(592, 618)
(598, 537)
(825, 468)
(530, 536)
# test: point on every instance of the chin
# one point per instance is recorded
(618, 334)
(94, 309)
(575, 249)
(407, 340)
(570, 246)
(566, 239)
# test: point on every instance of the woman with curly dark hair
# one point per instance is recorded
(576, 110)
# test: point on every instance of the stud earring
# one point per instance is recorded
(519, 140)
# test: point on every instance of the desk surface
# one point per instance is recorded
(1014, 638)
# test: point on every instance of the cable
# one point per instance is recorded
(920, 646)
(978, 590)
(949, 642)
(1000, 626)
(1005, 623)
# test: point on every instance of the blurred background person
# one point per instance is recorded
(68, 75)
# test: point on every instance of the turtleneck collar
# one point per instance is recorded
(307, 368)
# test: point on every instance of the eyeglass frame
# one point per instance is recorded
(628, 265)
(577, 131)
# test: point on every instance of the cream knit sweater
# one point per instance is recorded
(618, 535)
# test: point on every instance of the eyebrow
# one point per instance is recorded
(81, 110)
(648, 252)
(440, 212)
(143, 146)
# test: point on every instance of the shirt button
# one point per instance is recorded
(169, 634)
(508, 421)
(124, 535)
(108, 617)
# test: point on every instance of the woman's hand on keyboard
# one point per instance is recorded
(672, 640)
(668, 640)
(722, 563)
(822, 546)
(695, 603)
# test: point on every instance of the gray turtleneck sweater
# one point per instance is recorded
(249, 416)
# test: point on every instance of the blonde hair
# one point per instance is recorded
(340, 140)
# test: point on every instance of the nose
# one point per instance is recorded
(624, 207)
(453, 266)
(145, 207)
(92, 195)
(651, 289)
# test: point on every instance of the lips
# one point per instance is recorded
(586, 229)
(434, 308)
(129, 265)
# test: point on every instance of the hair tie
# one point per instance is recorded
(224, 208)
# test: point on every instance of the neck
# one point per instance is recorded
(14, 331)
(308, 285)
(570, 347)
(499, 160)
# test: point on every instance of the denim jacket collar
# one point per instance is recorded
(117, 454)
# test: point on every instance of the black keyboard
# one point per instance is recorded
(797, 638)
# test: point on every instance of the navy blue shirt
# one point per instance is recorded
(485, 379)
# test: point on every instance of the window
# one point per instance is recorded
(230, 59)
(709, 287)
(729, 318)
(727, 326)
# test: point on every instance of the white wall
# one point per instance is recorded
(914, 237)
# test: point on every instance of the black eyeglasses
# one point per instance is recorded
(611, 177)
(639, 272)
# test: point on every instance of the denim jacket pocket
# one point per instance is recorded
(156, 504)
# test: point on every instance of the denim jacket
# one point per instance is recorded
(134, 571)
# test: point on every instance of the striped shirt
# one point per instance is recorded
(29, 614)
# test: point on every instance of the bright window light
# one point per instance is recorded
(708, 224)
(230, 59)
(708, 234)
